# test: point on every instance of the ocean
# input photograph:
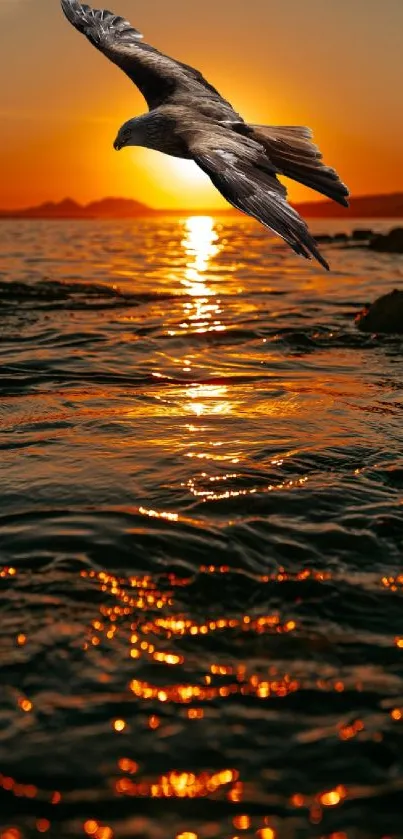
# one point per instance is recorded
(201, 532)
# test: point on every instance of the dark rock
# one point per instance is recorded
(389, 243)
(324, 239)
(384, 315)
(327, 239)
(362, 235)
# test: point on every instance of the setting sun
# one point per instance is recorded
(182, 179)
(186, 171)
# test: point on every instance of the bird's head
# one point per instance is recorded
(130, 134)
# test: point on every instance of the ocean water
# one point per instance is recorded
(201, 533)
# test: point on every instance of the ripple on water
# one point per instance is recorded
(200, 537)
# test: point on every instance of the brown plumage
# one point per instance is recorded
(188, 118)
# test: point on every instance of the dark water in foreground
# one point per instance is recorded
(201, 532)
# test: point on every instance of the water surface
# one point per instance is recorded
(201, 536)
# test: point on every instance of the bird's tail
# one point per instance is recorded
(294, 154)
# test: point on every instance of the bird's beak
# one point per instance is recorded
(117, 145)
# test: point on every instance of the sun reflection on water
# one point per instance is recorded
(200, 244)
(208, 399)
(202, 310)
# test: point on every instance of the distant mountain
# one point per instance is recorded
(365, 206)
(64, 209)
(68, 209)
(118, 208)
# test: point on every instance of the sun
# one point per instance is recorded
(168, 182)
(189, 182)
(187, 171)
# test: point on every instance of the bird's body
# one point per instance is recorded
(188, 118)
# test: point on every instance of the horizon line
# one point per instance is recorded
(208, 210)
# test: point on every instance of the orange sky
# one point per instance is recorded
(335, 65)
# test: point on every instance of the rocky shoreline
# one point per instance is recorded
(385, 314)
(391, 242)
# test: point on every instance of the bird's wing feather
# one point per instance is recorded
(240, 170)
(156, 75)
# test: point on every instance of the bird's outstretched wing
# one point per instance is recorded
(245, 176)
(156, 75)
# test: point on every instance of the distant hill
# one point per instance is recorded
(365, 206)
(118, 208)
(69, 209)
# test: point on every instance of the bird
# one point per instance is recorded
(188, 118)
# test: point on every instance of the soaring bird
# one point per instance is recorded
(188, 118)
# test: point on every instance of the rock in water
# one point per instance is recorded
(384, 315)
(362, 234)
(390, 243)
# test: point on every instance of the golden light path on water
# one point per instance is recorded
(202, 313)
(200, 246)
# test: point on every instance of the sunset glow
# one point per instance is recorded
(191, 181)
(59, 122)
